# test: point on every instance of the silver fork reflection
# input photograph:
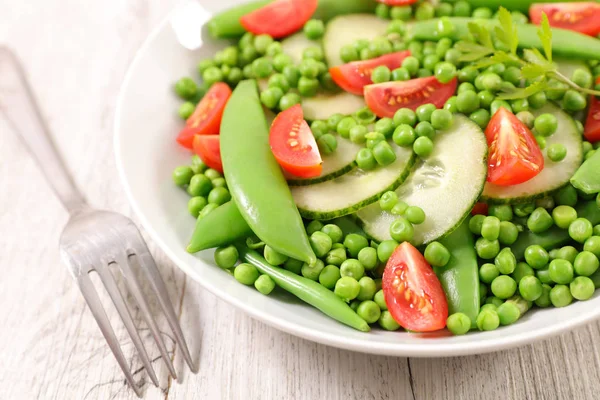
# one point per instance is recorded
(92, 239)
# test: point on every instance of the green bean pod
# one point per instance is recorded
(587, 177)
(554, 237)
(512, 5)
(460, 277)
(254, 177)
(222, 226)
(226, 25)
(306, 290)
(566, 43)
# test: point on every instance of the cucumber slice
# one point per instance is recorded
(294, 46)
(567, 67)
(323, 106)
(346, 29)
(338, 163)
(445, 186)
(352, 191)
(554, 175)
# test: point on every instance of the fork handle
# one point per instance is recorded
(18, 104)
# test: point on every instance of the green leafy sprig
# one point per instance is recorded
(535, 66)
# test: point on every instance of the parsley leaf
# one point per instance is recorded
(545, 35)
(532, 89)
(481, 34)
(507, 31)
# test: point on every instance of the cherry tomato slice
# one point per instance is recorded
(294, 145)
(514, 155)
(592, 123)
(279, 18)
(397, 2)
(412, 291)
(206, 118)
(354, 76)
(583, 17)
(209, 150)
(480, 208)
(384, 99)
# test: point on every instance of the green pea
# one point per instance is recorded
(347, 288)
(568, 253)
(481, 117)
(314, 226)
(355, 243)
(536, 256)
(458, 323)
(582, 288)
(441, 119)
(182, 175)
(385, 126)
(321, 243)
(219, 195)
(476, 223)
(544, 300)
(334, 232)
(368, 258)
(488, 272)
(369, 311)
(560, 296)
(424, 11)
(493, 300)
(385, 250)
(503, 287)
(196, 204)
(327, 143)
(563, 216)
(368, 288)
(580, 230)
(198, 165)
(388, 200)
(485, 98)
(314, 29)
(508, 313)
(387, 322)
(537, 100)
(425, 129)
(597, 227)
(424, 112)
(273, 257)
(399, 209)
(573, 101)
(405, 116)
(294, 265)
(289, 100)
(402, 230)
(508, 233)
(436, 254)
(561, 271)
(522, 270)
(344, 126)
(557, 152)
(357, 134)
(586, 263)
(381, 74)
(467, 102)
(423, 146)
(487, 320)
(207, 209)
(379, 299)
(415, 215)
(502, 212)
(336, 256)
(497, 104)
(246, 274)
(226, 257)
(205, 64)
(487, 249)
(186, 88)
(329, 276)
(530, 288)
(490, 228)
(453, 56)
(264, 284)
(592, 245)
(199, 185)
(429, 61)
(505, 261)
(384, 154)
(539, 221)
(274, 49)
(467, 74)
(567, 196)
(483, 290)
(186, 110)
(312, 272)
(366, 160)
(411, 64)
(445, 71)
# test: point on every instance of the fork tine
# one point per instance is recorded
(136, 291)
(91, 297)
(149, 266)
(111, 287)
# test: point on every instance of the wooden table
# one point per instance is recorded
(76, 53)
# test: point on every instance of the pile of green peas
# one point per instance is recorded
(544, 278)
(206, 186)
(402, 229)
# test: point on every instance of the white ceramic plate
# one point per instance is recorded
(146, 152)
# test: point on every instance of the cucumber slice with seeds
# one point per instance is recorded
(354, 190)
(555, 175)
(294, 46)
(446, 185)
(338, 163)
(346, 29)
(323, 106)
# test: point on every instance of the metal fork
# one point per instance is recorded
(92, 239)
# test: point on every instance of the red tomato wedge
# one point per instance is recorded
(206, 118)
(397, 2)
(209, 150)
(514, 155)
(480, 208)
(592, 123)
(582, 17)
(279, 18)
(294, 145)
(354, 76)
(412, 291)
(384, 99)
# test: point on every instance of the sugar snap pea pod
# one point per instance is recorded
(226, 25)
(306, 290)
(587, 177)
(255, 180)
(569, 44)
(348, 226)
(512, 5)
(222, 226)
(555, 237)
(460, 277)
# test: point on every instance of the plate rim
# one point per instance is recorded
(431, 350)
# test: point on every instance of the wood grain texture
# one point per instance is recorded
(76, 54)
